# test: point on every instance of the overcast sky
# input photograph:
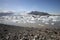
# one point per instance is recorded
(50, 6)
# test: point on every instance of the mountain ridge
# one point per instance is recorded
(38, 13)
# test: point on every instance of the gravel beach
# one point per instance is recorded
(10, 32)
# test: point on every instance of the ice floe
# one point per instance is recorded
(31, 19)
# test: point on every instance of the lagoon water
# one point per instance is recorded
(30, 21)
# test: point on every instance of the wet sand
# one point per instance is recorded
(10, 32)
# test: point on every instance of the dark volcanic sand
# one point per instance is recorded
(9, 32)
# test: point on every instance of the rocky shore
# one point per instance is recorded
(9, 32)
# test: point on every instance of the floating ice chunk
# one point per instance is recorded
(24, 21)
(17, 21)
(43, 21)
(39, 19)
(27, 20)
(14, 20)
(32, 19)
(14, 17)
(43, 17)
(54, 20)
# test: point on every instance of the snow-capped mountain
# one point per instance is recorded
(6, 13)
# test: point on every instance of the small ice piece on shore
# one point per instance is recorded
(42, 25)
(52, 23)
(39, 24)
(46, 23)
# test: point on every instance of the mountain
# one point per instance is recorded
(38, 13)
(6, 13)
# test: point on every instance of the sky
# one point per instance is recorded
(49, 6)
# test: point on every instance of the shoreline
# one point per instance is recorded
(11, 32)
